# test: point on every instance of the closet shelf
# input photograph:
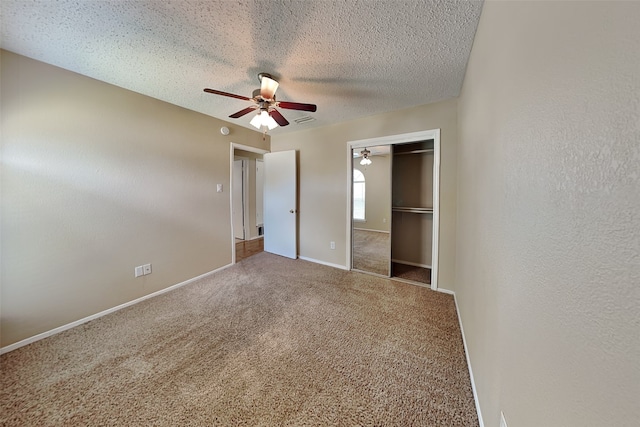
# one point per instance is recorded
(400, 153)
(412, 209)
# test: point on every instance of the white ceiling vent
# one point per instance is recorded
(303, 119)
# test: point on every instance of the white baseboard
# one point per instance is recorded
(317, 261)
(414, 264)
(62, 328)
(374, 231)
(466, 352)
(411, 282)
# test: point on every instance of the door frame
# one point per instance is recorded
(235, 146)
(244, 194)
(393, 140)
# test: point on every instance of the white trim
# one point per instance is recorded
(249, 148)
(235, 146)
(413, 264)
(445, 291)
(402, 139)
(79, 322)
(395, 139)
(317, 261)
(245, 194)
(373, 231)
(435, 237)
(349, 248)
(503, 421)
(466, 352)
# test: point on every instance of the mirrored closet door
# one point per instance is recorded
(371, 198)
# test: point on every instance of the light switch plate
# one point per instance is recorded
(146, 268)
(139, 271)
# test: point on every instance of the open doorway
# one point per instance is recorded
(240, 209)
(246, 184)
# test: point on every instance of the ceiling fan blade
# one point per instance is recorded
(279, 118)
(297, 106)
(231, 95)
(243, 112)
(268, 86)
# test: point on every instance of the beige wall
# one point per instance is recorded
(324, 175)
(97, 180)
(377, 197)
(548, 267)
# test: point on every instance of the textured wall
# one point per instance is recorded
(97, 180)
(548, 267)
(324, 179)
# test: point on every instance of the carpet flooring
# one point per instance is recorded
(267, 342)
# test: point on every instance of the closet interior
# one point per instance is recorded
(412, 211)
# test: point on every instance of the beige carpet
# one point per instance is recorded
(267, 342)
(371, 251)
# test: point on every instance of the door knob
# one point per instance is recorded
(291, 211)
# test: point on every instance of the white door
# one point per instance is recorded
(238, 199)
(280, 204)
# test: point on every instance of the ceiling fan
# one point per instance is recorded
(265, 104)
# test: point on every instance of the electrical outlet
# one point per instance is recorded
(139, 271)
(147, 269)
(503, 422)
(384, 220)
(332, 245)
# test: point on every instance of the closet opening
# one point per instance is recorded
(393, 207)
(412, 211)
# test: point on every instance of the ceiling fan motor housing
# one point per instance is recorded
(259, 99)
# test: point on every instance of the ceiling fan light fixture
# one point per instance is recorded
(263, 119)
(270, 122)
(366, 161)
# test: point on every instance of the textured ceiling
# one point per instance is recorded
(351, 58)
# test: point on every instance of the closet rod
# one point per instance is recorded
(411, 210)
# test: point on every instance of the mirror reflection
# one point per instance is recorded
(371, 198)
